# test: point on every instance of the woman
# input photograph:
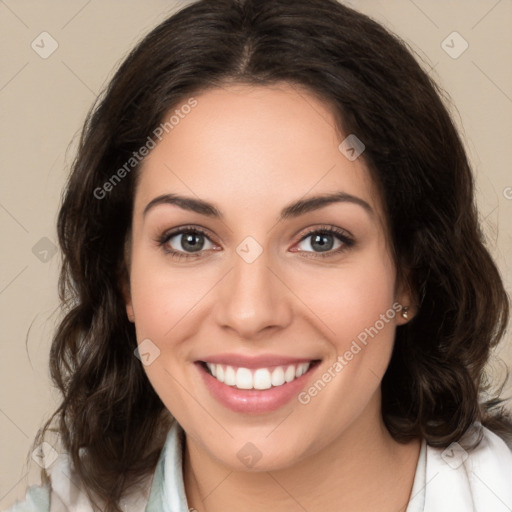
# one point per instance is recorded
(277, 293)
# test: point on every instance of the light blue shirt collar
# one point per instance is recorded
(168, 489)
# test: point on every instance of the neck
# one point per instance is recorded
(364, 468)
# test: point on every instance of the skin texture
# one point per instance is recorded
(251, 151)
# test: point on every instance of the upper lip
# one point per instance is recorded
(261, 361)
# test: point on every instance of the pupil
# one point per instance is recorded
(190, 242)
(324, 242)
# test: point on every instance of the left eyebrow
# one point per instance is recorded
(309, 204)
(295, 209)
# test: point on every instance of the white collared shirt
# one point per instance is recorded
(449, 480)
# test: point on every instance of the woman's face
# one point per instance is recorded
(256, 285)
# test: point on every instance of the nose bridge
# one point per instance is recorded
(252, 297)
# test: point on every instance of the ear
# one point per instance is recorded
(127, 296)
(124, 281)
(407, 298)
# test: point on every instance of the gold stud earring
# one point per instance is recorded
(405, 312)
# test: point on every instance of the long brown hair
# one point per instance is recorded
(379, 92)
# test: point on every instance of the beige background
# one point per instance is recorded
(43, 103)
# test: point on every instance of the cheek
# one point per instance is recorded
(164, 296)
(352, 297)
(164, 300)
(358, 319)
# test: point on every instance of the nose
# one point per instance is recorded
(253, 298)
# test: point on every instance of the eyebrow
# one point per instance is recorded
(293, 210)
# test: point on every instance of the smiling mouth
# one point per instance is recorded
(258, 378)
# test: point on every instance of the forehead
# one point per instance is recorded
(256, 146)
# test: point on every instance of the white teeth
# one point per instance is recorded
(301, 369)
(212, 368)
(229, 376)
(289, 374)
(261, 378)
(278, 377)
(243, 378)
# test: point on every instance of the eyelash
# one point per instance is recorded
(342, 235)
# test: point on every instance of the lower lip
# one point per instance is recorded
(254, 400)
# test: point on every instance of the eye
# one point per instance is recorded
(185, 242)
(321, 241)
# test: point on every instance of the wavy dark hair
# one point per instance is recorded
(377, 90)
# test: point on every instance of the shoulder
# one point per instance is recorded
(476, 479)
(66, 493)
(37, 499)
(492, 452)
(491, 456)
